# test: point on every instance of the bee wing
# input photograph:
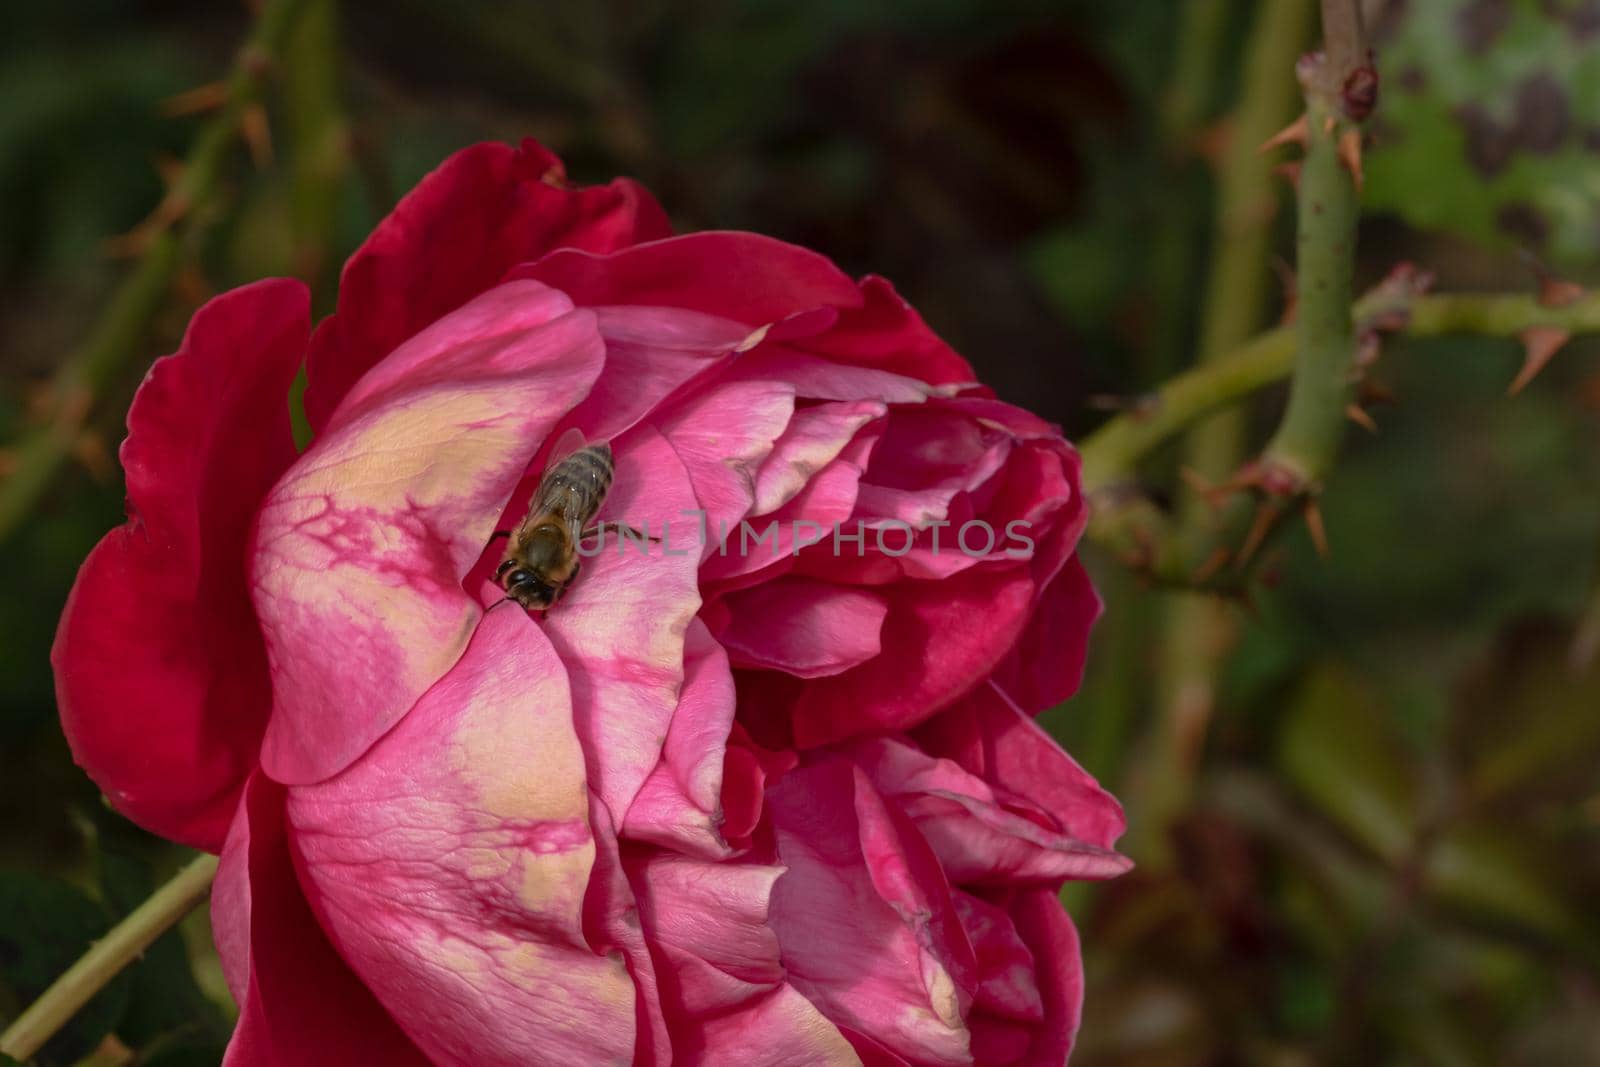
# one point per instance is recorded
(570, 441)
(551, 497)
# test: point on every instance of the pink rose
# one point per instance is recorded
(783, 803)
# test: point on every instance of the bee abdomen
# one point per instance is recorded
(585, 475)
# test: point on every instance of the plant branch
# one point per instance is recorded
(117, 337)
(1344, 40)
(1304, 446)
(107, 957)
(1111, 453)
(1125, 521)
(1198, 632)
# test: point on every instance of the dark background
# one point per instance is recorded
(1374, 842)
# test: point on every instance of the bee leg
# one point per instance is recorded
(499, 534)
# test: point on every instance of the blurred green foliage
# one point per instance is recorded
(1393, 847)
(1491, 122)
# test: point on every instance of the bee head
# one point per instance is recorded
(527, 588)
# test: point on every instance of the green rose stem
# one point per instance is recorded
(1126, 523)
(1197, 631)
(1111, 453)
(116, 338)
(107, 957)
(1304, 446)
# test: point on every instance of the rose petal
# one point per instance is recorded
(620, 627)
(782, 1029)
(740, 276)
(680, 804)
(1006, 984)
(161, 676)
(821, 379)
(362, 546)
(975, 838)
(1047, 665)
(708, 924)
(940, 639)
(611, 923)
(485, 209)
(864, 917)
(925, 458)
(763, 546)
(803, 627)
(1044, 927)
(759, 280)
(811, 440)
(722, 434)
(887, 332)
(299, 1003)
(650, 353)
(451, 864)
(993, 739)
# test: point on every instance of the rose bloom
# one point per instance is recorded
(783, 803)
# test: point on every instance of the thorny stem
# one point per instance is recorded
(107, 957)
(1313, 424)
(122, 328)
(1344, 44)
(1197, 631)
(1111, 453)
(1123, 519)
(1339, 89)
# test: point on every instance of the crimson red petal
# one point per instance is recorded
(160, 671)
(746, 277)
(933, 655)
(887, 333)
(484, 210)
(301, 1006)
(1048, 933)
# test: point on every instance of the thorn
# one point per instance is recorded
(1215, 495)
(171, 170)
(1319, 532)
(1369, 346)
(1260, 526)
(257, 134)
(1558, 292)
(1554, 291)
(1212, 564)
(1297, 132)
(1358, 415)
(1198, 483)
(1290, 171)
(1371, 393)
(173, 206)
(207, 97)
(1350, 155)
(1143, 557)
(1328, 123)
(1246, 599)
(1541, 343)
(1140, 407)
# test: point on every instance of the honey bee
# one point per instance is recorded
(541, 559)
